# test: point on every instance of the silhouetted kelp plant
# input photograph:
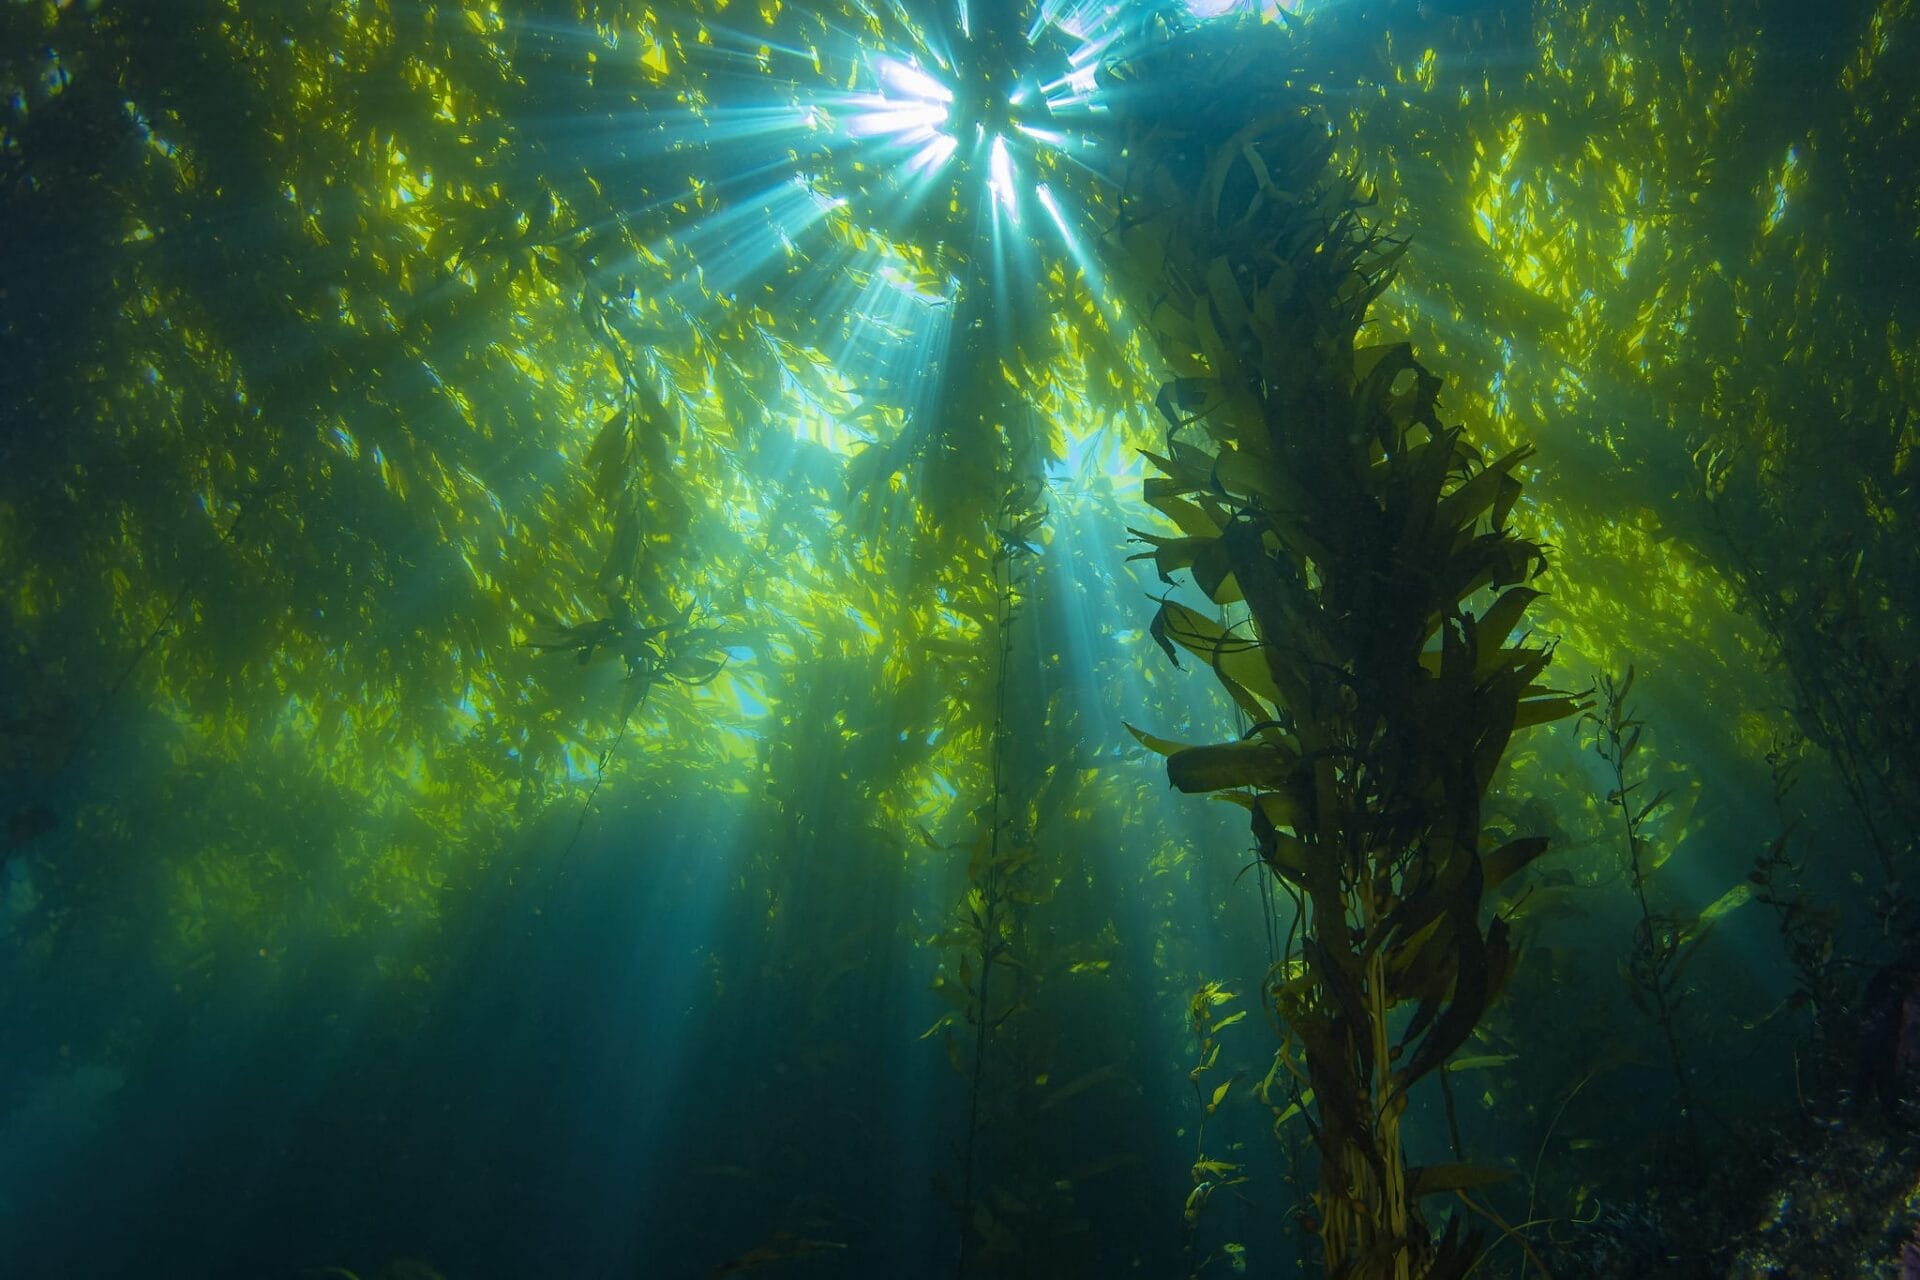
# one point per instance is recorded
(987, 939)
(1371, 587)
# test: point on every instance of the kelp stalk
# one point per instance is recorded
(1209, 1175)
(995, 868)
(1313, 484)
(1661, 944)
(991, 900)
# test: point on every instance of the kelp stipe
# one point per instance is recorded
(1806, 929)
(1316, 490)
(1210, 1174)
(1663, 943)
(984, 939)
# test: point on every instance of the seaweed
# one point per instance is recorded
(1210, 1174)
(1373, 595)
(651, 652)
(986, 935)
(1663, 943)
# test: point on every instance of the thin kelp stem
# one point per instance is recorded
(991, 888)
(1210, 1174)
(1540, 1155)
(1662, 941)
(599, 777)
(1003, 575)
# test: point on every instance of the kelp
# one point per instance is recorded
(1855, 694)
(1001, 880)
(1806, 926)
(652, 652)
(1372, 594)
(671, 650)
(1210, 1174)
(1663, 942)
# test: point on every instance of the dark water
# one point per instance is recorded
(572, 597)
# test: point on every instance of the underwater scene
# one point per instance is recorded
(959, 638)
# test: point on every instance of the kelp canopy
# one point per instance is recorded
(575, 575)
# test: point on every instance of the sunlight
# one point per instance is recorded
(1267, 9)
(1000, 180)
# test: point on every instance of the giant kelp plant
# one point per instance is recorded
(1381, 661)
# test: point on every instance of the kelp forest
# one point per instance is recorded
(959, 638)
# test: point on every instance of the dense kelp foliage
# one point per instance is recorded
(1377, 583)
(572, 585)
